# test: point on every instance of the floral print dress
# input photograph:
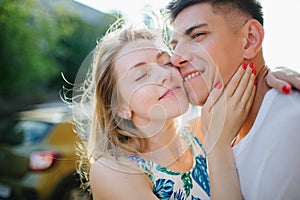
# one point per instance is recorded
(168, 184)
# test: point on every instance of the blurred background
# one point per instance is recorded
(39, 41)
(43, 43)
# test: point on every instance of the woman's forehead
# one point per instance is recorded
(136, 51)
(138, 45)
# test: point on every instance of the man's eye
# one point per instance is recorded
(141, 77)
(196, 35)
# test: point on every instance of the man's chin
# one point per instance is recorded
(197, 91)
(197, 100)
(197, 96)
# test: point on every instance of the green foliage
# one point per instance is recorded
(79, 44)
(38, 41)
(26, 40)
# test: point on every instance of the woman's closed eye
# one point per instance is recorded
(141, 77)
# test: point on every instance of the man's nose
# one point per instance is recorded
(178, 60)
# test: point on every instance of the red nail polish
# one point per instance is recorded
(244, 66)
(218, 85)
(254, 71)
(255, 82)
(286, 89)
(251, 65)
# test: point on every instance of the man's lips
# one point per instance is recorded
(169, 92)
(191, 75)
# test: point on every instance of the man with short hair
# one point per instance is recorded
(211, 39)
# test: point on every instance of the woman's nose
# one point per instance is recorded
(164, 74)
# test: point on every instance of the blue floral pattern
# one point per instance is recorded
(168, 184)
(179, 195)
(200, 175)
(164, 189)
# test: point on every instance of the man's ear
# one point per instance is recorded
(253, 33)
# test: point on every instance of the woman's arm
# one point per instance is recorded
(222, 117)
(283, 79)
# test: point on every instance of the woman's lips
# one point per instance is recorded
(169, 92)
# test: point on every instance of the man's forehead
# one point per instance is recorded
(180, 26)
(191, 16)
(174, 37)
(179, 30)
(178, 34)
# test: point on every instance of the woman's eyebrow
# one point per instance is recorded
(137, 65)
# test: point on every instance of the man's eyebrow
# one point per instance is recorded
(189, 30)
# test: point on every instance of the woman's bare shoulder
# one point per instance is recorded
(112, 180)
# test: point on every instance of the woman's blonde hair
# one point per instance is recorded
(102, 132)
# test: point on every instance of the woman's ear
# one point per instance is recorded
(124, 112)
(253, 33)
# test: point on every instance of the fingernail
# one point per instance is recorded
(251, 65)
(255, 82)
(254, 71)
(244, 66)
(218, 85)
(286, 89)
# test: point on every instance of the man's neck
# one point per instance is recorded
(261, 89)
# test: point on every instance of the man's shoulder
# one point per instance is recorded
(282, 102)
(279, 112)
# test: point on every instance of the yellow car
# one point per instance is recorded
(37, 156)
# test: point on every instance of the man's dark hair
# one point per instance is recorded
(248, 7)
